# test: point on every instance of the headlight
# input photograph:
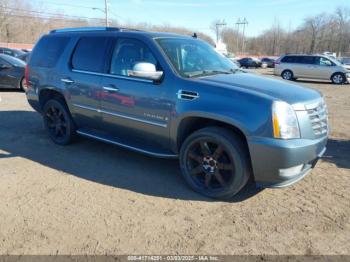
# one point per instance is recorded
(285, 122)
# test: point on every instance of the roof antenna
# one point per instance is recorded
(194, 35)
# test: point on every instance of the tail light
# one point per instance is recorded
(26, 75)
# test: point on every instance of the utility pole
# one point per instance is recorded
(218, 25)
(243, 22)
(238, 23)
(106, 13)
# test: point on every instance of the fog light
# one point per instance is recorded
(292, 171)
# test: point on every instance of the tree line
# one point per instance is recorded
(20, 22)
(317, 34)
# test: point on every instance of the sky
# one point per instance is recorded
(198, 15)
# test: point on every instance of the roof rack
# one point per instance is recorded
(91, 29)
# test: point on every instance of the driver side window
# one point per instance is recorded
(127, 53)
(324, 62)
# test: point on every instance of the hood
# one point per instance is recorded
(276, 89)
(346, 66)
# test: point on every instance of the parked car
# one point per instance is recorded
(25, 57)
(233, 59)
(291, 67)
(11, 72)
(11, 52)
(249, 62)
(174, 96)
(270, 62)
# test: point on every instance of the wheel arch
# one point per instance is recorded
(337, 72)
(20, 83)
(189, 124)
(49, 93)
(287, 69)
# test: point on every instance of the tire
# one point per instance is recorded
(338, 78)
(215, 162)
(287, 75)
(22, 85)
(58, 122)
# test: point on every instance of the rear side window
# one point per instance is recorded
(289, 59)
(47, 52)
(308, 60)
(89, 54)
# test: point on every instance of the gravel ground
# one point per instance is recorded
(94, 198)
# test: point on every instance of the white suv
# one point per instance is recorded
(291, 67)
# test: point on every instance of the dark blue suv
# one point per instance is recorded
(169, 95)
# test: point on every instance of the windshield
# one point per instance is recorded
(194, 58)
(13, 61)
(335, 61)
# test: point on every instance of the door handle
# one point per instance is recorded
(110, 89)
(67, 80)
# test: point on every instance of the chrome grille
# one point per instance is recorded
(318, 115)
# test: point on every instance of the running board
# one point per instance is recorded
(114, 141)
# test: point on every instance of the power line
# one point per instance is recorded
(44, 17)
(55, 14)
(218, 25)
(240, 22)
(71, 5)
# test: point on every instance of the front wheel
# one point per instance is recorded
(215, 162)
(338, 79)
(58, 122)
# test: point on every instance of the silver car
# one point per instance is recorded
(291, 67)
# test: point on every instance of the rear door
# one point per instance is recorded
(309, 67)
(83, 80)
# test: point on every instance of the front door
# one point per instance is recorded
(324, 68)
(135, 108)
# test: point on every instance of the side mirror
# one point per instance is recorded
(146, 70)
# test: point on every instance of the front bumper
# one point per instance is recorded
(270, 156)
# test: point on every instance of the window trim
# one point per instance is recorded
(137, 79)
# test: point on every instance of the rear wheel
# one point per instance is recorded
(287, 75)
(58, 122)
(338, 78)
(22, 85)
(215, 162)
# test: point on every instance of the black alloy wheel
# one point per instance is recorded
(215, 163)
(58, 122)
